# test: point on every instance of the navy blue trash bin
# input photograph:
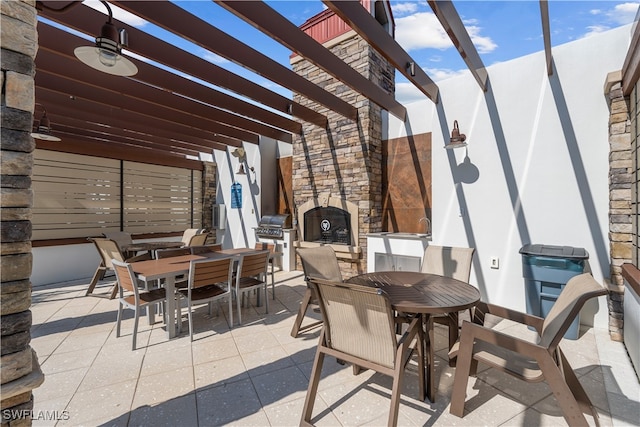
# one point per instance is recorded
(546, 270)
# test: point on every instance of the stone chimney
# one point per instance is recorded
(344, 161)
(19, 372)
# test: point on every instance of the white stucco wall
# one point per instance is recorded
(537, 167)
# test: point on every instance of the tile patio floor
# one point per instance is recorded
(257, 375)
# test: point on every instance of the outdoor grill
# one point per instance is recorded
(272, 226)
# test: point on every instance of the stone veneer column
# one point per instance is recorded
(345, 160)
(20, 372)
(620, 198)
(209, 184)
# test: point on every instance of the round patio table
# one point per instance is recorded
(424, 294)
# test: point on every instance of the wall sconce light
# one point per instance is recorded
(411, 68)
(43, 130)
(457, 139)
(241, 170)
(106, 55)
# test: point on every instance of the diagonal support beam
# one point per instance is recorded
(211, 38)
(369, 29)
(270, 22)
(546, 34)
(452, 24)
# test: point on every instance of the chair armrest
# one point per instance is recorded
(483, 308)
(471, 331)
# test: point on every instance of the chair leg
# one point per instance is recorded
(576, 388)
(463, 367)
(273, 282)
(97, 276)
(238, 297)
(312, 390)
(118, 320)
(304, 305)
(266, 298)
(135, 326)
(114, 291)
(230, 312)
(395, 390)
(190, 321)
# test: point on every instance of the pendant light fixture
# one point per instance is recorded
(43, 130)
(106, 55)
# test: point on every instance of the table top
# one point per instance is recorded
(150, 246)
(413, 292)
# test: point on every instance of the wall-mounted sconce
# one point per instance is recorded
(457, 138)
(106, 55)
(411, 68)
(241, 170)
(43, 130)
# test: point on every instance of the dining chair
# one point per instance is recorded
(198, 240)
(122, 238)
(318, 262)
(189, 233)
(528, 360)
(359, 328)
(109, 250)
(448, 261)
(251, 274)
(209, 281)
(131, 297)
(197, 250)
(262, 246)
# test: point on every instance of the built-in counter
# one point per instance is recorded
(388, 251)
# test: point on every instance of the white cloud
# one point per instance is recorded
(623, 13)
(421, 30)
(407, 93)
(403, 8)
(439, 74)
(214, 57)
(595, 29)
(118, 13)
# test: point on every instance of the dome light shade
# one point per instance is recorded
(106, 55)
(43, 131)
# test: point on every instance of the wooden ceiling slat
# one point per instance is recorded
(452, 24)
(64, 132)
(179, 21)
(267, 20)
(62, 43)
(82, 128)
(119, 100)
(89, 111)
(72, 144)
(363, 23)
(86, 20)
(133, 91)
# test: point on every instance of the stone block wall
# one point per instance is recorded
(209, 184)
(345, 160)
(621, 213)
(19, 371)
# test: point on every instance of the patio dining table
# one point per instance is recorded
(424, 295)
(150, 246)
(169, 268)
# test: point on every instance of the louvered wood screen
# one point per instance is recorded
(80, 196)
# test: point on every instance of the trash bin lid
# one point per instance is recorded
(554, 251)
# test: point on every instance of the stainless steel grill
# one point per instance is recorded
(272, 226)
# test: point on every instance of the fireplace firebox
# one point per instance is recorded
(327, 224)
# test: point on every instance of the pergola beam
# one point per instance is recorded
(86, 20)
(209, 37)
(270, 22)
(452, 24)
(369, 29)
(546, 35)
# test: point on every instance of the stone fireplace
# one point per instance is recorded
(330, 221)
(340, 166)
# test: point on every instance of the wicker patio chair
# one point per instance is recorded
(359, 328)
(319, 262)
(538, 361)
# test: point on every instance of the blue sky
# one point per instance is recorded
(501, 30)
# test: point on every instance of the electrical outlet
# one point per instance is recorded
(495, 262)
